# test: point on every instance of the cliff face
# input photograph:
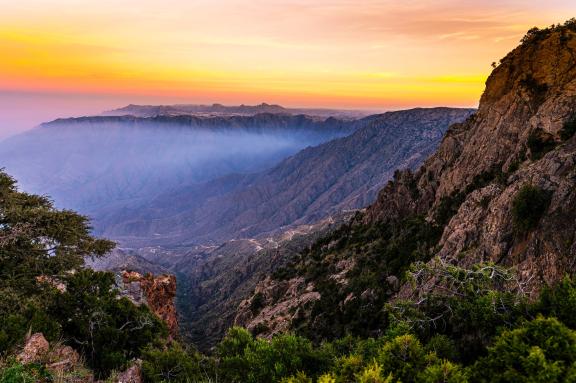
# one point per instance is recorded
(460, 205)
(529, 99)
(158, 293)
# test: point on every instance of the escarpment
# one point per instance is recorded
(518, 137)
(500, 188)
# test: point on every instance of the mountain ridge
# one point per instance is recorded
(500, 188)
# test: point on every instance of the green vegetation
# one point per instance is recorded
(535, 34)
(458, 325)
(478, 327)
(528, 206)
(14, 372)
(45, 288)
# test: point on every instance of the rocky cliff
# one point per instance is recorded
(500, 188)
(158, 293)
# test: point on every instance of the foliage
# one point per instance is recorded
(444, 372)
(404, 357)
(542, 350)
(172, 364)
(14, 372)
(108, 330)
(245, 359)
(466, 305)
(559, 302)
(45, 287)
(528, 206)
(373, 374)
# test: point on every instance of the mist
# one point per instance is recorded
(99, 165)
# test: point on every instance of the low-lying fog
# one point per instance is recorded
(94, 166)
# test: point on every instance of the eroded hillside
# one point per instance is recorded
(500, 188)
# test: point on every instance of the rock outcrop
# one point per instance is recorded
(158, 293)
(275, 306)
(132, 374)
(35, 348)
(62, 361)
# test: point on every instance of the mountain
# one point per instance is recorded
(101, 164)
(223, 110)
(500, 188)
(314, 185)
(342, 174)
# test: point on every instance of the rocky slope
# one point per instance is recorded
(500, 188)
(340, 175)
(158, 293)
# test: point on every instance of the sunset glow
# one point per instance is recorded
(333, 53)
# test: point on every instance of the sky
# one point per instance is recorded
(63, 58)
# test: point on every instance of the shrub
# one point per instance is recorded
(540, 142)
(373, 374)
(245, 359)
(173, 364)
(15, 372)
(559, 301)
(543, 350)
(444, 372)
(528, 207)
(257, 302)
(404, 357)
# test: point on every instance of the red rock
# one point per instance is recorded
(35, 348)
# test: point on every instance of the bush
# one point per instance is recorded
(560, 302)
(540, 143)
(15, 372)
(404, 357)
(528, 207)
(245, 359)
(543, 350)
(444, 372)
(373, 374)
(173, 364)
(108, 330)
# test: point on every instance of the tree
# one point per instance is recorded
(542, 350)
(37, 243)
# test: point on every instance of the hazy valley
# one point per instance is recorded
(271, 244)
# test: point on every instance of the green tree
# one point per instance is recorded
(36, 241)
(172, 364)
(109, 330)
(542, 350)
(403, 357)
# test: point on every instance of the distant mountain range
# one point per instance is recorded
(240, 110)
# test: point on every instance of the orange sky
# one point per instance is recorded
(334, 53)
